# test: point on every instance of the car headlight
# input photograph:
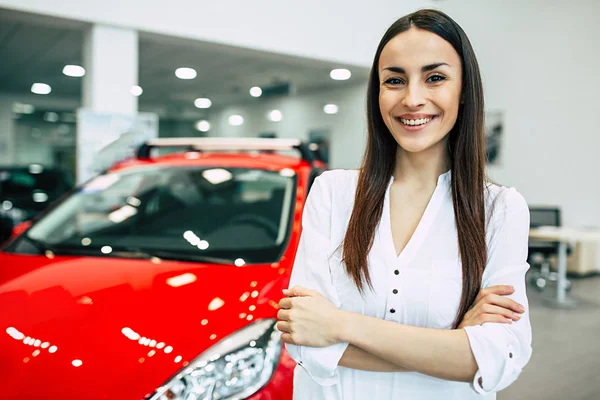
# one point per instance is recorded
(235, 368)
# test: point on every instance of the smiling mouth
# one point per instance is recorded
(416, 122)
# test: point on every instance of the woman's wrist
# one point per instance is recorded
(343, 326)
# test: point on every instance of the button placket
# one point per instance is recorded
(394, 292)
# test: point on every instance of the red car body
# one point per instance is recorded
(67, 321)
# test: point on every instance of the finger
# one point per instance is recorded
(501, 290)
(483, 318)
(285, 303)
(283, 315)
(284, 326)
(502, 301)
(301, 291)
(287, 338)
(492, 309)
(509, 303)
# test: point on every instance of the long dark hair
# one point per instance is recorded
(466, 148)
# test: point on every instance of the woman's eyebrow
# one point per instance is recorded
(425, 68)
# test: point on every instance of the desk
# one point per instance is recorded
(563, 235)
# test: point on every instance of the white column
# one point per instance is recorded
(7, 132)
(110, 58)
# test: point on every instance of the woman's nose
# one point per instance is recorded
(413, 96)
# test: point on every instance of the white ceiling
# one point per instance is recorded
(35, 48)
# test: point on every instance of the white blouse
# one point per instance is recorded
(420, 287)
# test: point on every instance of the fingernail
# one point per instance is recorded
(516, 316)
(521, 308)
(508, 320)
(285, 291)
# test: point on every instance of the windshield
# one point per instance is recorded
(186, 213)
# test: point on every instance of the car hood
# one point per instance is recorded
(108, 328)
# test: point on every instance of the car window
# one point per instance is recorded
(221, 212)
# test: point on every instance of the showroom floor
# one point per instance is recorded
(566, 348)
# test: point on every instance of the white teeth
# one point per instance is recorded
(415, 121)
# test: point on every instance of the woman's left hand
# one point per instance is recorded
(306, 318)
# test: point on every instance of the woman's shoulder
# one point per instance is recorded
(507, 198)
(339, 179)
(505, 203)
(339, 185)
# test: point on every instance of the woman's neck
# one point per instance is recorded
(421, 169)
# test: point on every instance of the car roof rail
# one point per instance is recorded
(216, 144)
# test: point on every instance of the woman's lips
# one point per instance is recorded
(415, 124)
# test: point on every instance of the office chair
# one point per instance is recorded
(541, 251)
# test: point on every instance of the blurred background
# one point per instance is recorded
(82, 83)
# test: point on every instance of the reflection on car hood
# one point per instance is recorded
(106, 328)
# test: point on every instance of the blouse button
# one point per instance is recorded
(395, 291)
(396, 272)
(510, 355)
(392, 311)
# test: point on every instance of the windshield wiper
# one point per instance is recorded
(182, 256)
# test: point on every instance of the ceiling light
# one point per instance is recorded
(137, 90)
(331, 109)
(255, 91)
(275, 116)
(185, 73)
(35, 169)
(75, 71)
(340, 74)
(236, 120)
(202, 102)
(203, 126)
(40, 88)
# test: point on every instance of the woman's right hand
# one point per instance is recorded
(492, 305)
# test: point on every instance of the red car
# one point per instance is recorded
(159, 279)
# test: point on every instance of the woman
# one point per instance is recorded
(397, 261)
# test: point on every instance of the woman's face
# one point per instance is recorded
(420, 77)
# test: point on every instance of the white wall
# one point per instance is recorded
(539, 60)
(334, 30)
(302, 114)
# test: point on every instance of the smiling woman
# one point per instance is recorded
(401, 290)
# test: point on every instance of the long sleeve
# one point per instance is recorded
(503, 350)
(311, 270)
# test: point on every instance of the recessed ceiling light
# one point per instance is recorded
(331, 109)
(236, 120)
(340, 74)
(202, 102)
(275, 116)
(185, 73)
(40, 88)
(137, 90)
(75, 71)
(203, 126)
(255, 91)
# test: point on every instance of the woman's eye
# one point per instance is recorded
(436, 78)
(394, 81)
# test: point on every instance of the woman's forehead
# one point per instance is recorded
(415, 48)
